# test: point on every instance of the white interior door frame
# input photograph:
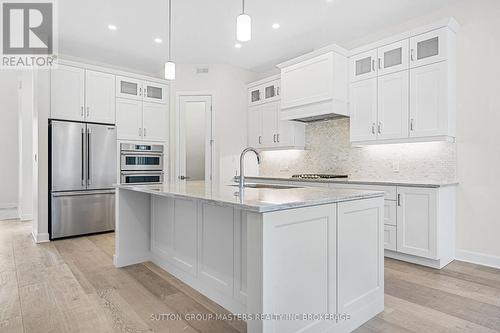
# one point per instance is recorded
(180, 161)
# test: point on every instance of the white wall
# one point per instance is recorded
(478, 119)
(9, 139)
(227, 85)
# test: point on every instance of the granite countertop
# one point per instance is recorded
(258, 200)
(424, 183)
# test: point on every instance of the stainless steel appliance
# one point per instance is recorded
(141, 164)
(83, 171)
(317, 176)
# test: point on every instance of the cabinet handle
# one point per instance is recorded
(412, 54)
(88, 111)
(411, 124)
(379, 63)
(380, 127)
(278, 137)
(373, 65)
(274, 138)
(260, 140)
(81, 108)
(140, 91)
(373, 128)
(278, 91)
(399, 199)
(144, 131)
(140, 132)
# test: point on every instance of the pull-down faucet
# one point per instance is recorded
(242, 164)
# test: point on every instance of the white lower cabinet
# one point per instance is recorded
(390, 237)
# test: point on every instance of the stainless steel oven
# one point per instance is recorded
(140, 157)
(141, 177)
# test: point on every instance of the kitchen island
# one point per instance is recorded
(288, 259)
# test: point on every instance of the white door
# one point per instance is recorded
(154, 121)
(255, 126)
(270, 114)
(127, 87)
(255, 95)
(155, 92)
(100, 97)
(128, 119)
(393, 58)
(195, 154)
(393, 106)
(363, 110)
(417, 221)
(363, 66)
(429, 100)
(67, 91)
(429, 48)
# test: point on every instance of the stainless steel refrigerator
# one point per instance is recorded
(83, 170)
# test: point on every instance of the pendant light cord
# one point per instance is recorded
(169, 30)
(243, 5)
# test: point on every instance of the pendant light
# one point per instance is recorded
(243, 25)
(169, 65)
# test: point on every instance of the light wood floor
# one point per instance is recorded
(72, 286)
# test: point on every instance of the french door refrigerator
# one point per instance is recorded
(83, 171)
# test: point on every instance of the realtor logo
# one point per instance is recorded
(27, 34)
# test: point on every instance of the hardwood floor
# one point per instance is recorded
(72, 286)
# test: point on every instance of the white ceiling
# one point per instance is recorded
(204, 30)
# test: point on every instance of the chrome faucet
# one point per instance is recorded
(242, 164)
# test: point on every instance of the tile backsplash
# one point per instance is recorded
(328, 150)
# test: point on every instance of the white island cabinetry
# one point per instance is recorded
(263, 251)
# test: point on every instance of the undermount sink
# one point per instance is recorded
(271, 186)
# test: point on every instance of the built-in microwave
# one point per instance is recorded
(141, 177)
(140, 157)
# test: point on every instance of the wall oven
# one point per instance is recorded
(141, 163)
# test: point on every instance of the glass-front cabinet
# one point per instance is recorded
(393, 57)
(155, 92)
(147, 91)
(363, 66)
(263, 93)
(429, 48)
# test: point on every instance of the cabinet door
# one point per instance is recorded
(393, 58)
(255, 126)
(128, 119)
(127, 87)
(155, 92)
(271, 91)
(429, 100)
(307, 82)
(255, 95)
(393, 108)
(67, 91)
(390, 238)
(363, 110)
(362, 66)
(417, 221)
(429, 48)
(100, 97)
(154, 121)
(270, 114)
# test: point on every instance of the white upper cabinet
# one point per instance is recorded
(154, 92)
(128, 119)
(260, 92)
(429, 47)
(67, 93)
(392, 113)
(314, 86)
(393, 58)
(254, 126)
(363, 110)
(99, 97)
(429, 101)
(270, 114)
(255, 95)
(154, 120)
(271, 91)
(128, 88)
(364, 65)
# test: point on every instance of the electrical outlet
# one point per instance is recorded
(395, 166)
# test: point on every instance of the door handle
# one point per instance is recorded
(183, 177)
(278, 91)
(82, 112)
(89, 154)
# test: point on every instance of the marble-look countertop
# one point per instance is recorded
(429, 184)
(258, 200)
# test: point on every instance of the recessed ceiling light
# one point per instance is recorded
(276, 25)
(112, 27)
(158, 40)
(237, 45)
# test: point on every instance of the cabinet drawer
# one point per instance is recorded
(390, 237)
(390, 191)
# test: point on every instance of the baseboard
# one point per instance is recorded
(40, 238)
(25, 217)
(478, 258)
(8, 213)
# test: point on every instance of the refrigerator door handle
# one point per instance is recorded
(83, 157)
(89, 154)
(81, 193)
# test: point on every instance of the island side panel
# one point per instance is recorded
(360, 246)
(299, 267)
(132, 231)
(254, 269)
